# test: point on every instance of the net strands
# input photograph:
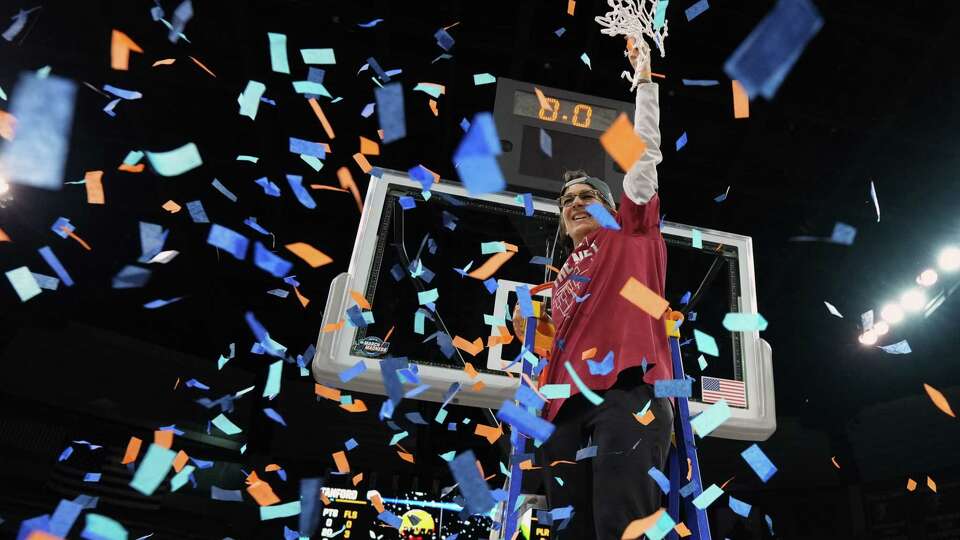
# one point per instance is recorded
(634, 19)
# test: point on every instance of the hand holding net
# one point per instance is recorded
(635, 19)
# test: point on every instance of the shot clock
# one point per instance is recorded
(573, 123)
(562, 111)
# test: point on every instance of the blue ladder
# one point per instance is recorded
(685, 445)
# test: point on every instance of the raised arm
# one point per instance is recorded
(640, 182)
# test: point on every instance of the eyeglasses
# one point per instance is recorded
(587, 196)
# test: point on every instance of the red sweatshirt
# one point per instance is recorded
(606, 320)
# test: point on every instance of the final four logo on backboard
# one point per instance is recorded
(372, 346)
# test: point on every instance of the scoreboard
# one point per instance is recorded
(349, 515)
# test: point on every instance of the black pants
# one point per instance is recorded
(612, 489)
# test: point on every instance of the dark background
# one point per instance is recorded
(873, 97)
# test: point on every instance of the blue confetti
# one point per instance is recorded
(602, 368)
(370, 24)
(475, 157)
(269, 187)
(390, 112)
(660, 479)
(764, 58)
(228, 240)
(55, 264)
(223, 189)
(696, 9)
(275, 416)
(603, 217)
(682, 141)
(197, 213)
(272, 264)
(296, 184)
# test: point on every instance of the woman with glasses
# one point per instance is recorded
(591, 320)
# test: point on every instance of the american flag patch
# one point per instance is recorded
(713, 390)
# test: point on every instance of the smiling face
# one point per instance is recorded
(577, 222)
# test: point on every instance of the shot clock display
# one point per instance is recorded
(571, 113)
(542, 141)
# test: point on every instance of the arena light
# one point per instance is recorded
(892, 313)
(4, 186)
(913, 300)
(869, 337)
(927, 278)
(949, 259)
(881, 328)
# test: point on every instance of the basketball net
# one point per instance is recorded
(635, 19)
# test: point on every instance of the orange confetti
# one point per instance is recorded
(689, 469)
(380, 134)
(340, 458)
(368, 147)
(272, 467)
(73, 235)
(326, 392)
(322, 117)
(571, 6)
(311, 255)
(639, 295)
(376, 501)
(346, 182)
(8, 125)
(133, 450)
(138, 168)
(639, 526)
(491, 265)
(741, 103)
(180, 460)
(177, 383)
(331, 327)
(492, 434)
(471, 371)
(544, 102)
(478, 386)
(303, 299)
(261, 491)
(931, 484)
(939, 400)
(589, 353)
(358, 406)
(623, 145)
(406, 456)
(357, 479)
(330, 188)
(362, 162)
(527, 465)
(724, 485)
(360, 300)
(389, 333)
(682, 530)
(93, 180)
(660, 75)
(562, 462)
(471, 348)
(3, 236)
(505, 337)
(553, 269)
(163, 438)
(911, 484)
(324, 499)
(205, 68)
(40, 535)
(164, 62)
(646, 418)
(171, 206)
(834, 461)
(433, 107)
(120, 47)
